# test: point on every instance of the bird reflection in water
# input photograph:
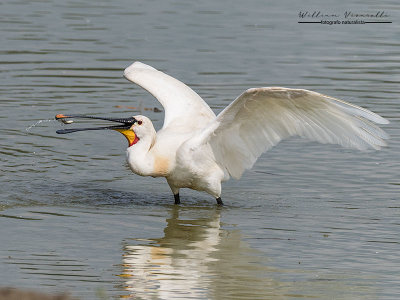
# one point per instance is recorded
(196, 258)
(199, 259)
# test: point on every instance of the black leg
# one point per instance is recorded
(177, 199)
(219, 201)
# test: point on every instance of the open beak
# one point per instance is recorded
(123, 127)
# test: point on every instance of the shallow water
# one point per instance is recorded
(308, 221)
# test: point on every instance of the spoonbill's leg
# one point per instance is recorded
(175, 191)
(177, 199)
(219, 201)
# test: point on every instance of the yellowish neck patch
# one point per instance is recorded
(130, 136)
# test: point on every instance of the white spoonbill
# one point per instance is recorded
(197, 149)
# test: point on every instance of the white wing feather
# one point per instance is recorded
(261, 117)
(183, 106)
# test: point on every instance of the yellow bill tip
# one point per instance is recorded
(61, 116)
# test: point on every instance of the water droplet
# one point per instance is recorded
(37, 123)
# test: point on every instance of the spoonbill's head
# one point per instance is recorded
(142, 128)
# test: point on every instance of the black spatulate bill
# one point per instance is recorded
(126, 123)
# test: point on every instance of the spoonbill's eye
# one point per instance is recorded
(140, 122)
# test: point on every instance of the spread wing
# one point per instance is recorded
(182, 105)
(261, 117)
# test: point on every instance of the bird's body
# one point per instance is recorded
(173, 153)
(197, 149)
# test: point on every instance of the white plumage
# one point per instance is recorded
(196, 149)
(182, 105)
(261, 117)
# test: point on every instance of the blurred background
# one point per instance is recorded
(308, 221)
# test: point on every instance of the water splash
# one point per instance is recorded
(28, 129)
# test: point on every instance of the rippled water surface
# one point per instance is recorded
(308, 221)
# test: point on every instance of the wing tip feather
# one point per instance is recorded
(137, 65)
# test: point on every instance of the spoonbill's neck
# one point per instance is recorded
(142, 145)
(139, 156)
